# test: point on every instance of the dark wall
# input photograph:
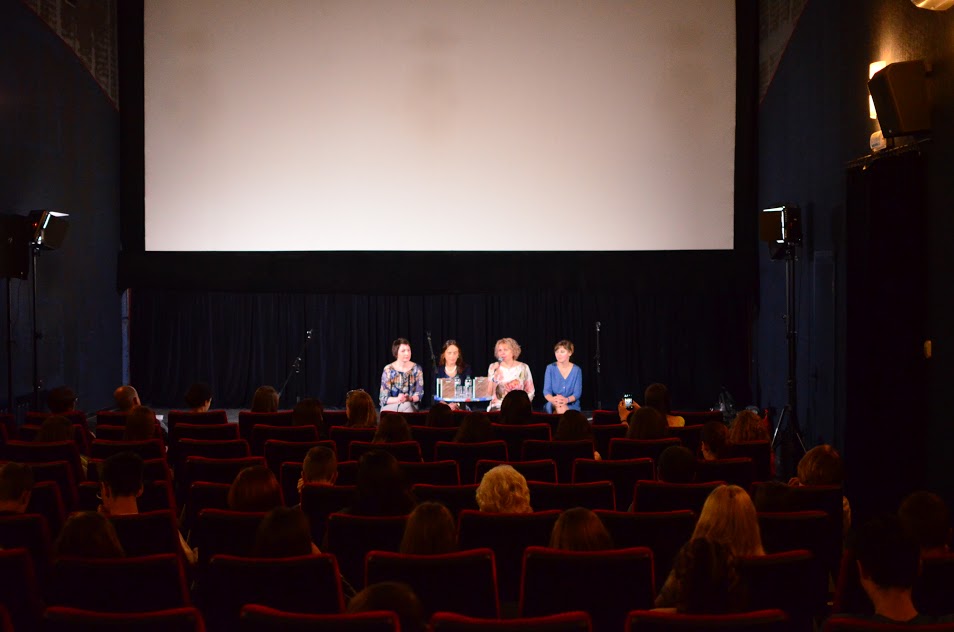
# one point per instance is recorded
(812, 123)
(61, 152)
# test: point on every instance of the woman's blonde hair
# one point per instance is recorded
(747, 426)
(359, 409)
(729, 517)
(504, 490)
(510, 342)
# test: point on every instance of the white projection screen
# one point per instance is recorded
(439, 125)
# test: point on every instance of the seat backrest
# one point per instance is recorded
(335, 418)
(414, 418)
(623, 474)
(439, 581)
(428, 437)
(28, 452)
(507, 535)
(31, 532)
(110, 418)
(516, 435)
(224, 532)
(156, 496)
(690, 435)
(47, 500)
(737, 471)
(344, 435)
(60, 474)
(308, 583)
(605, 417)
(255, 618)
(350, 538)
(110, 432)
(659, 496)
(698, 417)
(147, 533)
(278, 451)
(563, 452)
(210, 449)
(934, 589)
(347, 473)
(149, 449)
(431, 473)
(290, 472)
(247, 420)
(555, 581)
(199, 468)
(402, 451)
(467, 455)
(761, 454)
(203, 495)
(565, 622)
(794, 530)
(455, 497)
(29, 431)
(207, 418)
(639, 448)
(544, 471)
(664, 532)
(843, 623)
(319, 501)
(152, 470)
(21, 594)
(596, 495)
(659, 621)
(262, 433)
(210, 432)
(603, 434)
(66, 619)
(794, 581)
(551, 419)
(126, 584)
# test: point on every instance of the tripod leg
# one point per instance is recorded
(778, 425)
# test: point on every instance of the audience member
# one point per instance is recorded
(656, 396)
(440, 416)
(504, 490)
(773, 496)
(392, 429)
(822, 466)
(580, 529)
(714, 439)
(396, 597)
(676, 464)
(647, 424)
(430, 530)
(927, 521)
(515, 409)
(126, 397)
(320, 466)
(61, 400)
(359, 409)
(16, 486)
(475, 428)
(141, 424)
(747, 426)
(382, 489)
(284, 532)
(704, 580)
(199, 397)
(120, 484)
(255, 489)
(265, 400)
(88, 534)
(55, 428)
(310, 412)
(573, 426)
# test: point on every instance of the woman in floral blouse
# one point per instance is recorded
(507, 373)
(402, 381)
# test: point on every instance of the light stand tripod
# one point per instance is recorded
(599, 402)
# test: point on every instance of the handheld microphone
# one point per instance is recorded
(597, 326)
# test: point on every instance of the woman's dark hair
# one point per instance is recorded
(88, 534)
(657, 396)
(198, 394)
(573, 426)
(430, 530)
(55, 428)
(677, 464)
(580, 529)
(397, 597)
(715, 436)
(440, 416)
(284, 532)
(141, 424)
(515, 409)
(360, 411)
(308, 412)
(381, 487)
(475, 428)
(255, 489)
(461, 365)
(706, 580)
(647, 423)
(397, 345)
(392, 429)
(265, 400)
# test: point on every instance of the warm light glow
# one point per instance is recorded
(874, 67)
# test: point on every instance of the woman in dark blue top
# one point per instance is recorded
(451, 365)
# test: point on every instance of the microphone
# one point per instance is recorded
(597, 326)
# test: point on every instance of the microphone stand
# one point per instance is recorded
(296, 364)
(430, 347)
(599, 402)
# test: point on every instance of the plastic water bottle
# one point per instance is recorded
(469, 388)
(457, 392)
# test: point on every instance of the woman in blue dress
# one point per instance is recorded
(563, 381)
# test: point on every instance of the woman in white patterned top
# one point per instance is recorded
(507, 373)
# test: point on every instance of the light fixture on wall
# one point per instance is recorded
(933, 5)
(874, 67)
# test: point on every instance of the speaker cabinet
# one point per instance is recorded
(900, 95)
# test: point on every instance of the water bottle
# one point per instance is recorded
(457, 392)
(469, 388)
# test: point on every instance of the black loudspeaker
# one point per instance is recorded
(900, 95)
(15, 237)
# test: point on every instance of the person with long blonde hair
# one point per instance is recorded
(507, 373)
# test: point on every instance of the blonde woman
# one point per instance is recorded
(359, 410)
(507, 373)
(504, 490)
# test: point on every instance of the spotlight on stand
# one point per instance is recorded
(49, 229)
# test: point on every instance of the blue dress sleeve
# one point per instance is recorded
(548, 380)
(577, 383)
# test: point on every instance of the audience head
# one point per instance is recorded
(381, 487)
(475, 428)
(440, 416)
(255, 489)
(747, 426)
(927, 521)
(657, 396)
(647, 423)
(451, 352)
(55, 428)
(714, 439)
(430, 530)
(359, 408)
(580, 529)
(392, 429)
(396, 597)
(126, 397)
(284, 532)
(677, 464)
(16, 485)
(199, 397)
(61, 400)
(773, 496)
(821, 466)
(88, 534)
(504, 490)
(320, 466)
(705, 576)
(265, 400)
(887, 558)
(141, 424)
(515, 409)
(309, 412)
(120, 484)
(728, 516)
(573, 426)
